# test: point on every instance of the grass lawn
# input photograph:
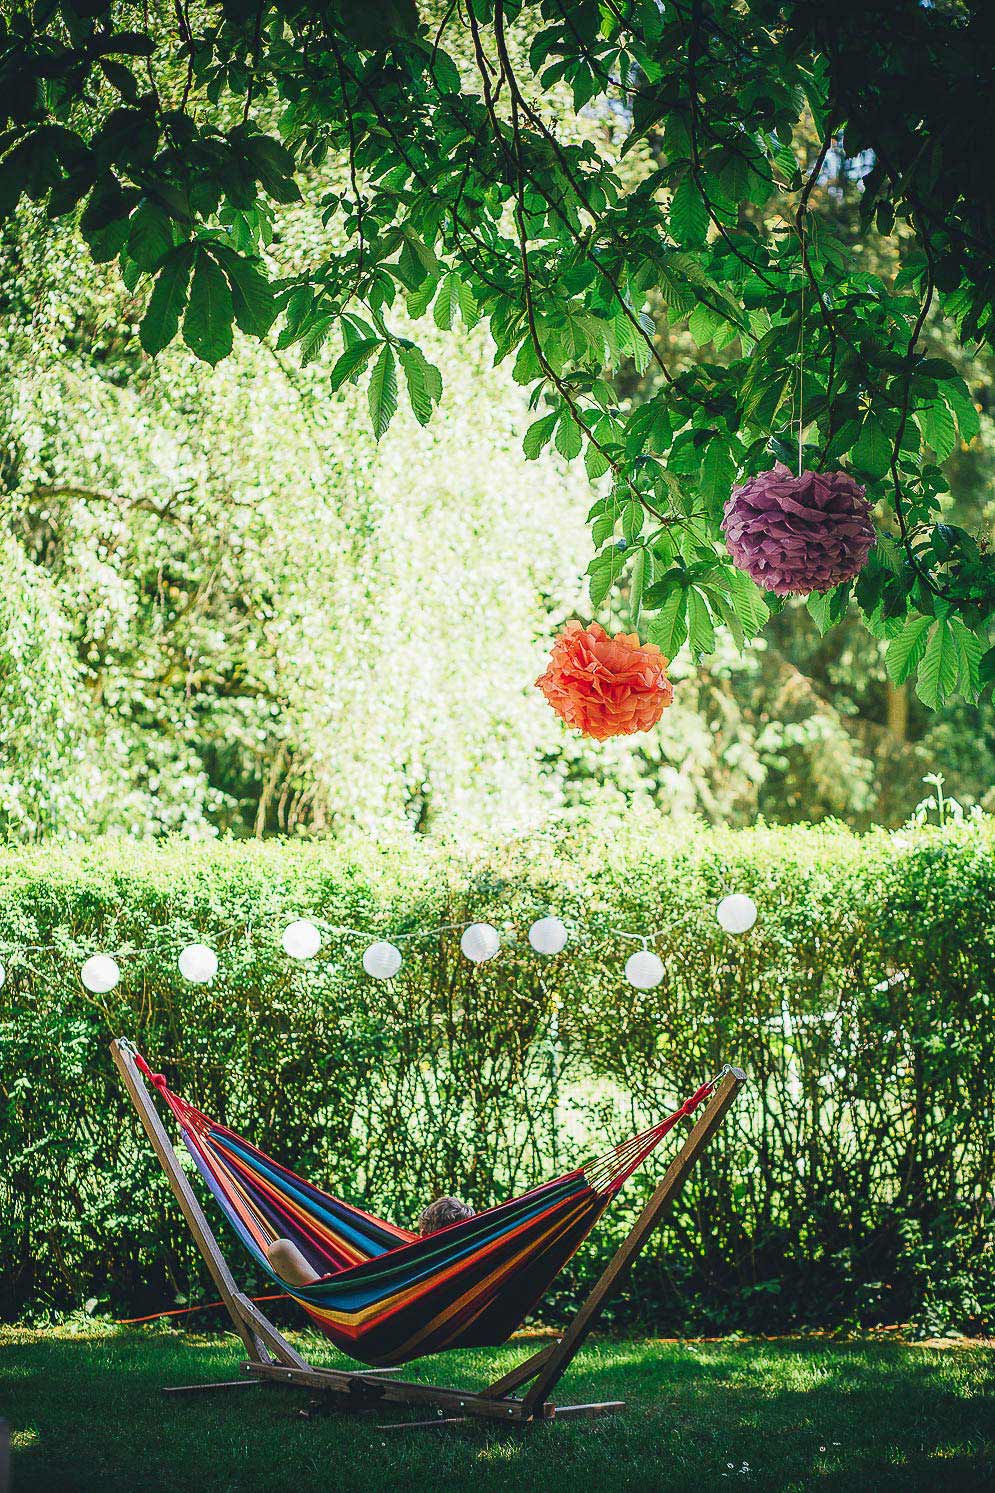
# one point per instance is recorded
(85, 1413)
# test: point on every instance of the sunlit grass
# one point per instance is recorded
(85, 1413)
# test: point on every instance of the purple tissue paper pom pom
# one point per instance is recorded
(793, 535)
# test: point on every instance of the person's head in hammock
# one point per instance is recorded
(290, 1265)
(442, 1214)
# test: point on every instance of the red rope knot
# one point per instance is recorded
(157, 1080)
(689, 1106)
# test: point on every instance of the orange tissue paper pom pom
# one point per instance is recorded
(606, 686)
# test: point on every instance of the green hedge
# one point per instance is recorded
(854, 1184)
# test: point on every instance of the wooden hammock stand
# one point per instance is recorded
(271, 1359)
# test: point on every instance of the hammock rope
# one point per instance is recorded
(185, 1311)
(386, 1295)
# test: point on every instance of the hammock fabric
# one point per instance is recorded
(387, 1295)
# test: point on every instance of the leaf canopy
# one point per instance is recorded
(578, 176)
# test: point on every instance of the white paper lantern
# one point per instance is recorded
(548, 936)
(479, 942)
(100, 974)
(198, 963)
(301, 940)
(737, 913)
(644, 969)
(382, 960)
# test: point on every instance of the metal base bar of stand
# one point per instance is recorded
(553, 1412)
(193, 1389)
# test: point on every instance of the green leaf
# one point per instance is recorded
(313, 337)
(703, 324)
(424, 383)
(669, 628)
(747, 600)
(150, 236)
(906, 650)
(717, 471)
(568, 439)
(208, 321)
(826, 608)
(701, 627)
(595, 464)
(32, 166)
(468, 308)
(382, 392)
(526, 367)
(169, 294)
(353, 360)
(784, 159)
(268, 155)
(445, 73)
(958, 397)
(106, 205)
(886, 554)
(722, 607)
(446, 302)
(633, 518)
(297, 312)
(127, 43)
(872, 453)
(602, 528)
(418, 301)
(986, 672)
(410, 268)
(817, 606)
(968, 658)
(937, 426)
(253, 297)
(131, 273)
(120, 78)
(104, 222)
(604, 570)
(642, 573)
(940, 666)
(688, 215)
(538, 434)
(273, 167)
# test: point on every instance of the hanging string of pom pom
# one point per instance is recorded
(801, 375)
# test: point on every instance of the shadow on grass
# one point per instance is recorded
(86, 1412)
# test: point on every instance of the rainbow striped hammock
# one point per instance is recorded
(386, 1295)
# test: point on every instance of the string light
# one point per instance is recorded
(100, 974)
(644, 969)
(548, 935)
(382, 960)
(301, 940)
(479, 942)
(736, 913)
(198, 963)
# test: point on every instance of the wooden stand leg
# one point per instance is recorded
(262, 1341)
(520, 1375)
(618, 1267)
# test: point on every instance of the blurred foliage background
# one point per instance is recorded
(225, 608)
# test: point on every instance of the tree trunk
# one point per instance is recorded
(898, 712)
